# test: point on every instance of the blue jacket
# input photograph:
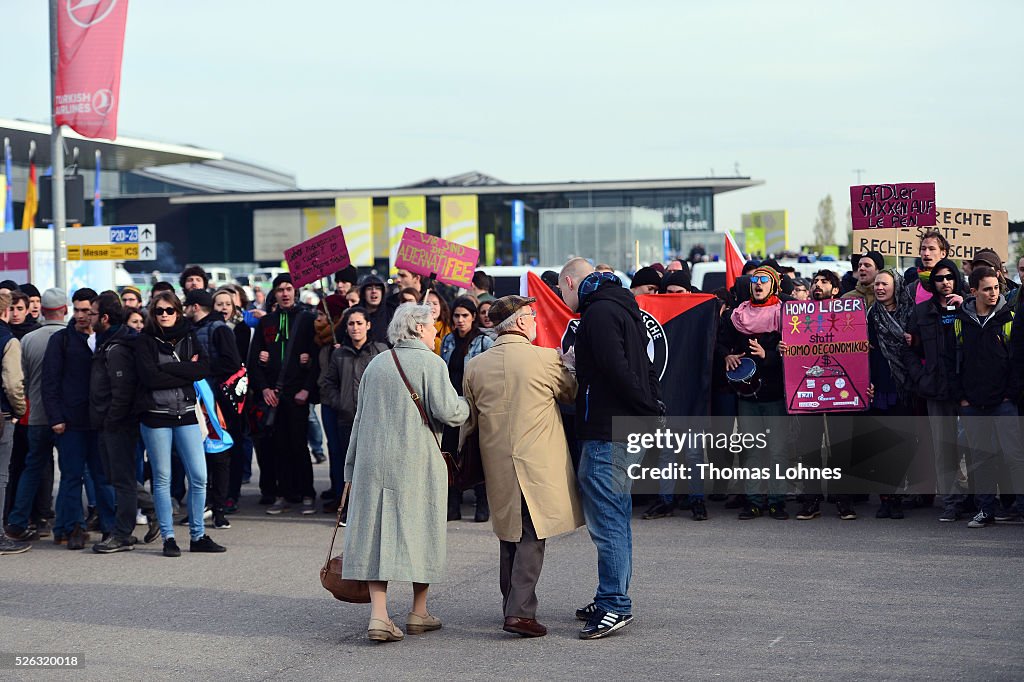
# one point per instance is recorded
(476, 347)
(66, 378)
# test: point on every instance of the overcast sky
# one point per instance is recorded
(799, 94)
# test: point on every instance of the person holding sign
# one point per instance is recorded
(750, 338)
(931, 364)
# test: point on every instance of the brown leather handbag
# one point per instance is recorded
(450, 462)
(343, 589)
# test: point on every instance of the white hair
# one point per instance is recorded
(509, 323)
(407, 317)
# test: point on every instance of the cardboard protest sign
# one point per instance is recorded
(437, 258)
(966, 229)
(826, 362)
(910, 204)
(320, 256)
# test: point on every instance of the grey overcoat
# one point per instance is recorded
(397, 507)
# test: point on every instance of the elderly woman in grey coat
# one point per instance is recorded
(398, 480)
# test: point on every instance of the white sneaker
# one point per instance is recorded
(140, 519)
(207, 514)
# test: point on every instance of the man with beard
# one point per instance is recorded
(825, 285)
(931, 364)
(870, 264)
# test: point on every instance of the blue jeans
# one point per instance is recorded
(667, 486)
(76, 450)
(608, 510)
(40, 449)
(336, 449)
(314, 433)
(187, 441)
(990, 442)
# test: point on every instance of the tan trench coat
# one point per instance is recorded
(512, 391)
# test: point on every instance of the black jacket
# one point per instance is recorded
(218, 340)
(114, 382)
(67, 368)
(616, 378)
(271, 335)
(985, 376)
(932, 339)
(340, 383)
(167, 396)
(769, 370)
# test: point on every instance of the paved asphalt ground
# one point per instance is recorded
(761, 599)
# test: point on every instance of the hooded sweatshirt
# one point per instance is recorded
(616, 378)
(985, 376)
(931, 357)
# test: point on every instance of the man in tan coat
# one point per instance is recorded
(512, 391)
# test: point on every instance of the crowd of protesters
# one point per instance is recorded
(180, 393)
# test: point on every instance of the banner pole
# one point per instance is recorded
(57, 159)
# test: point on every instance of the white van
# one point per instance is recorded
(511, 279)
(710, 276)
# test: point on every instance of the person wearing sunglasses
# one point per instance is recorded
(931, 361)
(752, 333)
(169, 359)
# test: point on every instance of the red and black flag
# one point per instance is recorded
(681, 332)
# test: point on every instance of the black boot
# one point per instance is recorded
(454, 504)
(483, 510)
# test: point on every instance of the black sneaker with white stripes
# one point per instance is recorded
(602, 624)
(586, 612)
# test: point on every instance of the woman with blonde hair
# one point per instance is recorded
(396, 478)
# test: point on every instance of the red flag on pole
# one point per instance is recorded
(90, 38)
(733, 260)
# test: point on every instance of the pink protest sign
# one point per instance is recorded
(910, 204)
(437, 258)
(317, 257)
(826, 360)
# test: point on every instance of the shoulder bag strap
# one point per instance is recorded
(337, 521)
(415, 398)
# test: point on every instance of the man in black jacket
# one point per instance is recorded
(112, 413)
(934, 342)
(282, 373)
(616, 378)
(987, 386)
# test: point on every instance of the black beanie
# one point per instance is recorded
(647, 275)
(281, 279)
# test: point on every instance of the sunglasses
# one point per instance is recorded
(164, 311)
(760, 279)
(944, 278)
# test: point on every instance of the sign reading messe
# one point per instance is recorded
(90, 40)
(826, 357)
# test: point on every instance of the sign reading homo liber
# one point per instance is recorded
(966, 229)
(437, 258)
(317, 257)
(910, 204)
(826, 359)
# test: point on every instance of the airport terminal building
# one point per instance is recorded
(212, 209)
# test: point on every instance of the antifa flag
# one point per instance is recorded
(87, 91)
(681, 331)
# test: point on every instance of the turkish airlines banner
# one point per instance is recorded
(90, 37)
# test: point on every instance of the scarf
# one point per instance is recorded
(173, 334)
(325, 334)
(593, 282)
(890, 327)
(751, 320)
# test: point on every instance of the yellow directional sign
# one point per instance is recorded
(103, 251)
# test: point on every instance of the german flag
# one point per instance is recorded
(28, 216)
